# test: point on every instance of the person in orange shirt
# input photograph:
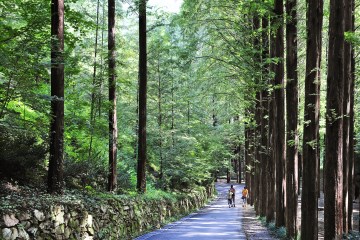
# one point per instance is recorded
(244, 197)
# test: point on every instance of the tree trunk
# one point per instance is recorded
(93, 86)
(188, 117)
(247, 157)
(347, 170)
(172, 113)
(228, 175)
(264, 120)
(270, 166)
(279, 131)
(102, 68)
(239, 163)
(160, 121)
(252, 191)
(251, 186)
(214, 114)
(257, 114)
(351, 133)
(309, 200)
(141, 169)
(333, 204)
(292, 116)
(56, 161)
(112, 182)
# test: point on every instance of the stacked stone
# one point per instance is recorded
(114, 218)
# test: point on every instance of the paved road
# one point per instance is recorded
(216, 221)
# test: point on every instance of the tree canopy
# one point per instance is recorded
(217, 97)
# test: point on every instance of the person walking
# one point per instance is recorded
(230, 195)
(232, 189)
(245, 194)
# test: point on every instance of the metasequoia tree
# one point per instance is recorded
(279, 108)
(257, 114)
(333, 194)
(93, 90)
(112, 97)
(141, 168)
(347, 147)
(351, 127)
(264, 108)
(291, 117)
(309, 225)
(270, 165)
(55, 172)
(160, 120)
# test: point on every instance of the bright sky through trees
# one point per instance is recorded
(167, 5)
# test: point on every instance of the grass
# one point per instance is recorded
(279, 233)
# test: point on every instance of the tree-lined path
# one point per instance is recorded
(123, 101)
(216, 221)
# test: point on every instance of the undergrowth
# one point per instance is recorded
(278, 232)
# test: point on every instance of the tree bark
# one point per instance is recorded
(270, 166)
(56, 161)
(112, 181)
(141, 169)
(247, 157)
(351, 134)
(239, 163)
(172, 113)
(257, 113)
(279, 108)
(160, 121)
(93, 86)
(333, 209)
(252, 188)
(309, 200)
(292, 116)
(347, 168)
(102, 72)
(265, 112)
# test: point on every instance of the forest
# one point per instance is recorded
(124, 98)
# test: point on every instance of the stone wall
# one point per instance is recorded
(105, 218)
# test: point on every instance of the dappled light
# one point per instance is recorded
(119, 118)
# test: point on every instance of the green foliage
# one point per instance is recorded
(179, 59)
(78, 175)
(158, 195)
(352, 235)
(22, 156)
(279, 233)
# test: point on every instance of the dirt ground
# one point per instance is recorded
(321, 215)
(252, 226)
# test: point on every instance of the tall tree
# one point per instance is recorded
(270, 165)
(309, 225)
(93, 91)
(351, 134)
(160, 120)
(141, 168)
(55, 172)
(279, 110)
(112, 182)
(265, 112)
(333, 194)
(291, 117)
(257, 113)
(347, 162)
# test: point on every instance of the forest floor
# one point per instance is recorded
(321, 215)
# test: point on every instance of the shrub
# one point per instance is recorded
(22, 158)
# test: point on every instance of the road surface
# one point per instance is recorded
(216, 221)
